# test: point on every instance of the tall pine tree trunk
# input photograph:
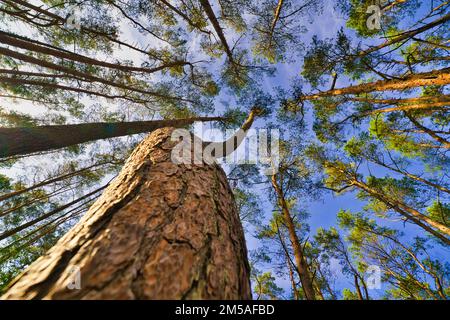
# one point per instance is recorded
(300, 260)
(219, 31)
(159, 231)
(433, 78)
(16, 141)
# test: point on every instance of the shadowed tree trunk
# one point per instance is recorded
(159, 231)
(405, 35)
(435, 228)
(292, 280)
(20, 42)
(15, 141)
(79, 75)
(358, 288)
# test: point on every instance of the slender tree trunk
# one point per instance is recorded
(413, 255)
(392, 4)
(93, 32)
(430, 43)
(405, 35)
(53, 180)
(53, 86)
(422, 106)
(184, 16)
(435, 77)
(357, 287)
(17, 246)
(327, 284)
(403, 102)
(11, 232)
(159, 231)
(75, 74)
(215, 23)
(427, 103)
(275, 20)
(445, 144)
(26, 203)
(39, 9)
(318, 290)
(15, 141)
(15, 41)
(290, 263)
(435, 228)
(412, 176)
(302, 267)
(364, 285)
(292, 279)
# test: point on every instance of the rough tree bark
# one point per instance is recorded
(159, 231)
(16, 141)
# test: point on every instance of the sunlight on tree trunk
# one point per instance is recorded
(159, 231)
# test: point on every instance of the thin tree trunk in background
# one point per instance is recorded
(75, 73)
(366, 291)
(33, 222)
(275, 20)
(302, 267)
(391, 5)
(215, 23)
(435, 77)
(159, 231)
(405, 35)
(358, 288)
(289, 262)
(292, 279)
(318, 290)
(403, 102)
(19, 42)
(422, 106)
(412, 176)
(61, 21)
(435, 228)
(185, 17)
(53, 180)
(16, 141)
(431, 133)
(327, 284)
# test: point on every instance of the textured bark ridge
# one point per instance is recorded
(159, 231)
